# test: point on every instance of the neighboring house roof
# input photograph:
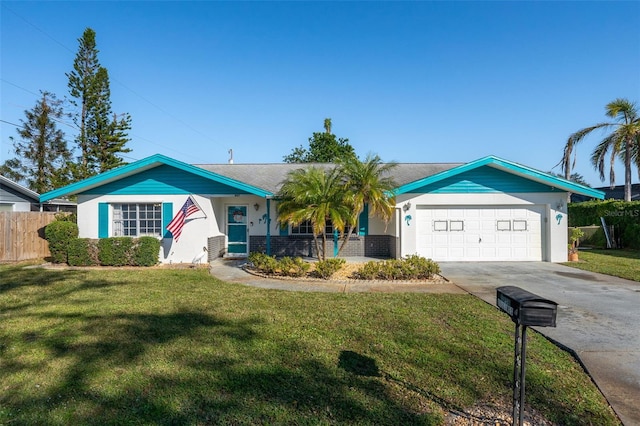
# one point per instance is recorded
(264, 180)
(19, 188)
(615, 193)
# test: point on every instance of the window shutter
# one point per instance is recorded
(363, 221)
(284, 230)
(103, 220)
(167, 215)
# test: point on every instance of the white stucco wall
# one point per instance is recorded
(554, 220)
(196, 231)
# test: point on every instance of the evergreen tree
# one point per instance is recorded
(42, 158)
(324, 147)
(100, 140)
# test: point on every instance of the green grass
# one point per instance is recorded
(618, 263)
(165, 346)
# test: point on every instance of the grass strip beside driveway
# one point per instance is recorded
(176, 346)
(617, 263)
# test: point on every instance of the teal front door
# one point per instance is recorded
(237, 230)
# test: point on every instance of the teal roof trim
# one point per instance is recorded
(146, 164)
(507, 166)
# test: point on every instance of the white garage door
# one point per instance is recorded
(478, 233)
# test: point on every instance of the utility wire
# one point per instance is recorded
(117, 81)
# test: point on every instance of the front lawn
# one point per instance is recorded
(618, 263)
(176, 346)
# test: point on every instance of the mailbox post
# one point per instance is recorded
(525, 309)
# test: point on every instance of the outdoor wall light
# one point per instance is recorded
(256, 206)
(560, 205)
(406, 206)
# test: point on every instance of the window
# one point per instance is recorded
(503, 225)
(136, 220)
(305, 228)
(456, 225)
(440, 225)
(519, 225)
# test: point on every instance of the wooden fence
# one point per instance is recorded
(22, 235)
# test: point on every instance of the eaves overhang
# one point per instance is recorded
(509, 167)
(142, 165)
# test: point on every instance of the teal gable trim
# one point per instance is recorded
(363, 221)
(164, 180)
(148, 163)
(484, 180)
(167, 215)
(103, 220)
(435, 182)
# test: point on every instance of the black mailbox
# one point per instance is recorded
(526, 308)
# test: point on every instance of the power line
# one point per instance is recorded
(182, 122)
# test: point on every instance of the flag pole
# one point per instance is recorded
(196, 203)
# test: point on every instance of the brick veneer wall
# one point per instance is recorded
(215, 246)
(383, 246)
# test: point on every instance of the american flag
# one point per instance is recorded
(177, 223)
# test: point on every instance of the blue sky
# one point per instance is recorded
(409, 81)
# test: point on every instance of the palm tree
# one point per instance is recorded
(314, 195)
(370, 183)
(623, 142)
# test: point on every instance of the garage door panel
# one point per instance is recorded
(480, 233)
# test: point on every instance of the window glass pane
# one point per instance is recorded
(137, 219)
(440, 225)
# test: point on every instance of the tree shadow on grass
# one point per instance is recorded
(106, 345)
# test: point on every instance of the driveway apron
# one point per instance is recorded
(598, 318)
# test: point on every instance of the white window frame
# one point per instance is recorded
(123, 226)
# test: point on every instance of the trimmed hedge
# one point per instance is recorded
(59, 235)
(146, 251)
(624, 216)
(117, 251)
(83, 252)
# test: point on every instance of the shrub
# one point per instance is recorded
(146, 251)
(83, 252)
(411, 267)
(631, 236)
(115, 251)
(293, 267)
(59, 234)
(263, 263)
(326, 268)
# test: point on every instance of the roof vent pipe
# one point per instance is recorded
(231, 156)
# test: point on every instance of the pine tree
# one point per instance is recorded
(42, 157)
(100, 140)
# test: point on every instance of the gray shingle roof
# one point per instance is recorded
(269, 177)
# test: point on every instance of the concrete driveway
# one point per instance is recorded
(598, 318)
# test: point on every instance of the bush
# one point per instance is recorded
(116, 251)
(622, 215)
(326, 268)
(631, 236)
(59, 235)
(146, 251)
(293, 267)
(410, 268)
(83, 252)
(263, 263)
